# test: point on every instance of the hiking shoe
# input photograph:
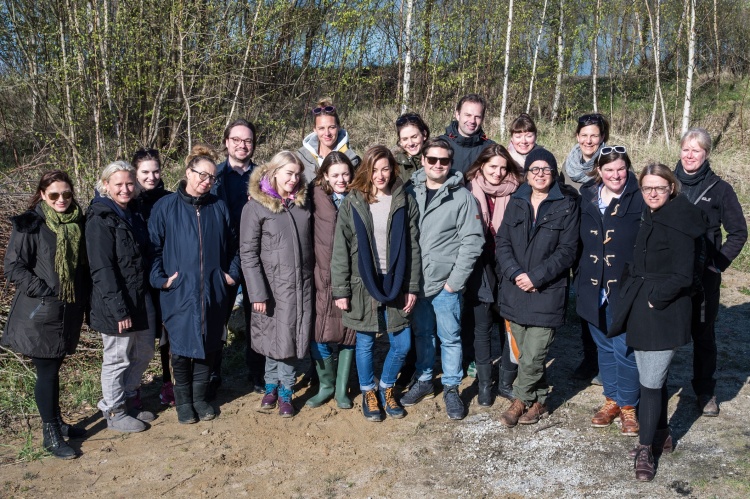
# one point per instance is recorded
(166, 395)
(708, 405)
(534, 413)
(390, 404)
(419, 391)
(663, 444)
(644, 464)
(454, 406)
(286, 409)
(629, 422)
(268, 403)
(510, 417)
(371, 407)
(604, 416)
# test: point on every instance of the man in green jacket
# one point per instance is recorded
(450, 241)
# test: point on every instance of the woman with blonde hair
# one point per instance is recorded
(277, 261)
(195, 268)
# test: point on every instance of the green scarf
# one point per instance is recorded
(67, 228)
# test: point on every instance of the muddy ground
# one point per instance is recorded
(327, 452)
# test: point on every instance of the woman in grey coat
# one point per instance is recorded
(277, 261)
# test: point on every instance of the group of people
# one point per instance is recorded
(442, 241)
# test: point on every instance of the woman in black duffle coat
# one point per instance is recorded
(655, 306)
(46, 260)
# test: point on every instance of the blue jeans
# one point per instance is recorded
(400, 345)
(321, 351)
(617, 367)
(440, 313)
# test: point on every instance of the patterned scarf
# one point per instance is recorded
(575, 168)
(67, 229)
(500, 193)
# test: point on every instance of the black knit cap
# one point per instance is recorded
(540, 154)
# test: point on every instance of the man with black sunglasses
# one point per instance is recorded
(465, 134)
(450, 238)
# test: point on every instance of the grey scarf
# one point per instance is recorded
(575, 168)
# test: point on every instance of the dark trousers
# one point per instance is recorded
(705, 311)
(187, 370)
(478, 318)
(47, 387)
(590, 352)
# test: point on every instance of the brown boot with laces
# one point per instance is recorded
(608, 413)
(644, 464)
(536, 412)
(510, 417)
(629, 422)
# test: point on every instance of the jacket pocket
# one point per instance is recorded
(36, 311)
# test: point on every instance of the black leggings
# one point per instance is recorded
(47, 387)
(187, 370)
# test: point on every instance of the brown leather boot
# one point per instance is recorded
(608, 413)
(629, 422)
(510, 417)
(532, 416)
(644, 464)
(663, 444)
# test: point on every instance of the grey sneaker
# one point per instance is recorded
(454, 406)
(118, 420)
(419, 391)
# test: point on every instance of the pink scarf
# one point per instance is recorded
(501, 194)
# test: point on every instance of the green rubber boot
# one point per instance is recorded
(342, 378)
(327, 374)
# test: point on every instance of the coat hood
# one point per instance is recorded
(270, 202)
(311, 143)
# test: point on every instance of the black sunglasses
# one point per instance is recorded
(54, 196)
(326, 110)
(407, 118)
(431, 160)
(591, 119)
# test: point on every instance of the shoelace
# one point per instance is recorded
(372, 401)
(390, 400)
(628, 415)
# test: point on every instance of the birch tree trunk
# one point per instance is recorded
(407, 57)
(244, 65)
(595, 62)
(717, 55)
(185, 96)
(536, 54)
(560, 62)
(690, 69)
(504, 104)
(656, 39)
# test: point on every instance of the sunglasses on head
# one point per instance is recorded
(326, 110)
(431, 160)
(606, 151)
(591, 119)
(407, 118)
(54, 196)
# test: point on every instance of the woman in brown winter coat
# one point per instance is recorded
(277, 261)
(328, 192)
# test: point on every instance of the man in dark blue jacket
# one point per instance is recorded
(465, 134)
(240, 138)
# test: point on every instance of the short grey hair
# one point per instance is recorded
(111, 169)
(701, 136)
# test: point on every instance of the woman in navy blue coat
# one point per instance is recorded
(195, 264)
(611, 209)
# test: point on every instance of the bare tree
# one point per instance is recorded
(656, 39)
(690, 69)
(536, 55)
(504, 104)
(407, 57)
(560, 63)
(595, 61)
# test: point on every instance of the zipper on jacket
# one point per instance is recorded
(200, 259)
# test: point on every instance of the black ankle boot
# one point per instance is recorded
(505, 387)
(202, 407)
(183, 398)
(55, 443)
(69, 430)
(484, 380)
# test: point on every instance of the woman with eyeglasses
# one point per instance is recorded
(719, 202)
(654, 305)
(121, 307)
(276, 249)
(492, 179)
(412, 133)
(327, 136)
(46, 260)
(592, 133)
(375, 274)
(147, 164)
(195, 267)
(523, 135)
(611, 208)
(536, 247)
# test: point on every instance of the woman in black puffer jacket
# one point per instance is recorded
(121, 307)
(46, 260)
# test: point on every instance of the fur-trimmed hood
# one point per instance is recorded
(270, 202)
